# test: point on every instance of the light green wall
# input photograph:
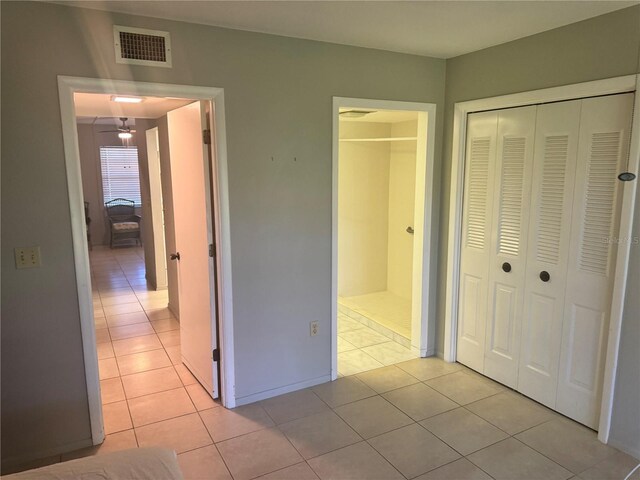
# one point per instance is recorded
(278, 95)
(601, 47)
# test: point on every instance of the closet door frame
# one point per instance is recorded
(624, 84)
(423, 321)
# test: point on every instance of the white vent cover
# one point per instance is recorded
(139, 46)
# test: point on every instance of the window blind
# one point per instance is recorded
(120, 175)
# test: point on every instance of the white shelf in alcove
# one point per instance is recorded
(379, 139)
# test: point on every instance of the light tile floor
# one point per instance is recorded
(361, 348)
(421, 419)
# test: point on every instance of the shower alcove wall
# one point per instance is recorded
(376, 199)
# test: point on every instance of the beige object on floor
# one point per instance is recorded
(137, 463)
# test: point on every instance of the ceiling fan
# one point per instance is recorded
(123, 131)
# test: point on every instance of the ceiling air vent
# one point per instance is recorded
(138, 46)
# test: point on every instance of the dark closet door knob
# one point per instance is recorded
(544, 276)
(506, 267)
(174, 256)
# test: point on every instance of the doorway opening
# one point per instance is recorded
(160, 295)
(383, 173)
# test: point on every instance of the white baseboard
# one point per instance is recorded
(634, 452)
(174, 310)
(255, 397)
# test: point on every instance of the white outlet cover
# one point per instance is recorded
(27, 257)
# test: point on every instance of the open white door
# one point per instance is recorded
(191, 186)
(157, 209)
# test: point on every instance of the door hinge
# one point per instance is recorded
(206, 136)
(212, 250)
(215, 355)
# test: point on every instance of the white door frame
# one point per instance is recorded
(67, 86)
(420, 302)
(608, 86)
(156, 207)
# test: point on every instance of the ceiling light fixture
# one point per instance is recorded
(121, 99)
(355, 113)
(125, 135)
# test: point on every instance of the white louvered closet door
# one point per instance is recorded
(556, 148)
(476, 236)
(603, 149)
(508, 251)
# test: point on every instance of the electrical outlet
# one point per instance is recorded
(313, 329)
(28, 257)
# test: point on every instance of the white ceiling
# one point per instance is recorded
(440, 29)
(100, 105)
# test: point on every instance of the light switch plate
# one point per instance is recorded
(28, 257)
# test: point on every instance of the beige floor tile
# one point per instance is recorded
(346, 324)
(116, 417)
(142, 362)
(224, 424)
(386, 378)
(200, 398)
(573, 446)
(615, 467)
(180, 434)
(463, 388)
(319, 434)
(291, 406)
(153, 304)
(100, 322)
(413, 450)
(165, 325)
(98, 313)
(511, 412)
(129, 331)
(428, 368)
(174, 354)
(112, 443)
(203, 463)
(119, 299)
(108, 368)
(108, 284)
(342, 391)
(111, 390)
(170, 338)
(364, 337)
(461, 469)
(185, 375)
(389, 353)
(299, 471)
(102, 335)
(129, 346)
(511, 459)
(160, 406)
(258, 453)
(344, 346)
(105, 350)
(152, 381)
(420, 401)
(126, 319)
(112, 292)
(356, 361)
(372, 416)
(355, 462)
(463, 430)
(122, 308)
(159, 314)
